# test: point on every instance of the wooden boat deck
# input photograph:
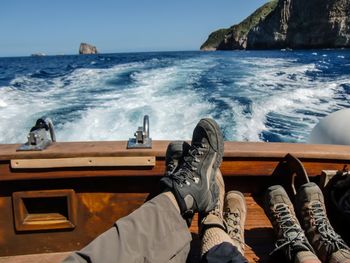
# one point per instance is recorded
(98, 188)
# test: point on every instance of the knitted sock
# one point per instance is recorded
(213, 236)
(341, 256)
(306, 257)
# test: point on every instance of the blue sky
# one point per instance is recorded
(56, 27)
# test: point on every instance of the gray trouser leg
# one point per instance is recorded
(155, 232)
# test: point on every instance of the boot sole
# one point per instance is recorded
(214, 188)
(220, 141)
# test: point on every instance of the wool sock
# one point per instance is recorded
(306, 257)
(340, 256)
(213, 236)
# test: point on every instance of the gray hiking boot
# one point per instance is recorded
(174, 155)
(215, 217)
(328, 245)
(235, 212)
(291, 238)
(194, 182)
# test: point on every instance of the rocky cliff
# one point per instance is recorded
(235, 37)
(298, 24)
(304, 24)
(87, 49)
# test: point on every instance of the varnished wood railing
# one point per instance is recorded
(104, 159)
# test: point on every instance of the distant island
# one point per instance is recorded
(87, 49)
(282, 24)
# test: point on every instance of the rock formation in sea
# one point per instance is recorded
(288, 24)
(87, 49)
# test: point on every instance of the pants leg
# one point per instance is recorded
(223, 253)
(155, 232)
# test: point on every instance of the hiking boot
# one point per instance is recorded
(235, 211)
(193, 183)
(215, 217)
(328, 245)
(290, 237)
(174, 155)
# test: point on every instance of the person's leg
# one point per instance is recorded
(156, 232)
(222, 228)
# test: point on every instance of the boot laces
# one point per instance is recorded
(170, 168)
(185, 174)
(233, 225)
(293, 236)
(323, 226)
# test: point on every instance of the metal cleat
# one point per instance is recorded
(38, 138)
(142, 139)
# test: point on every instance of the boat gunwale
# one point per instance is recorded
(232, 150)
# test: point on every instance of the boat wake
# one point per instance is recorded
(254, 96)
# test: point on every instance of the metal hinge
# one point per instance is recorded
(38, 138)
(142, 139)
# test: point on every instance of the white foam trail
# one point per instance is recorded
(172, 114)
(299, 92)
(256, 95)
(40, 96)
(3, 104)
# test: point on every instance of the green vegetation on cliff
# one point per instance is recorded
(252, 20)
(215, 39)
(238, 32)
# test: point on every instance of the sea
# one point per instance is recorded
(273, 96)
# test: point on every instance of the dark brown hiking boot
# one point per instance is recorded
(290, 237)
(235, 212)
(194, 182)
(328, 245)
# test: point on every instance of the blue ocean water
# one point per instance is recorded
(253, 95)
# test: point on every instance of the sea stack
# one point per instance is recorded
(87, 49)
(296, 24)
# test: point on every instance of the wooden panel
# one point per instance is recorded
(84, 162)
(97, 213)
(44, 210)
(9, 174)
(100, 201)
(230, 167)
(267, 166)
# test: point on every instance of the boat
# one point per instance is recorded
(39, 54)
(56, 197)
